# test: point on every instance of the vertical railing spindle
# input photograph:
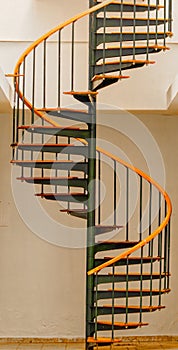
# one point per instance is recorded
(115, 193)
(72, 56)
(113, 300)
(99, 188)
(127, 204)
(59, 69)
(44, 74)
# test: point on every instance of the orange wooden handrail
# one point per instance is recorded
(155, 232)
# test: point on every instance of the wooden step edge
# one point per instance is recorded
(41, 161)
(137, 307)
(163, 291)
(68, 211)
(122, 324)
(84, 93)
(161, 47)
(105, 76)
(45, 145)
(117, 242)
(58, 109)
(33, 127)
(114, 227)
(24, 178)
(103, 340)
(134, 62)
(60, 194)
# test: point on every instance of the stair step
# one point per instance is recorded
(52, 130)
(130, 293)
(129, 50)
(72, 114)
(131, 260)
(107, 325)
(64, 197)
(113, 66)
(82, 96)
(53, 164)
(103, 340)
(129, 7)
(99, 229)
(69, 181)
(79, 213)
(122, 309)
(113, 245)
(128, 22)
(102, 80)
(122, 277)
(129, 36)
(55, 148)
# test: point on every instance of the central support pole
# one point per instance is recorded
(91, 217)
(90, 254)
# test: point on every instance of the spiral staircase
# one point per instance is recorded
(127, 265)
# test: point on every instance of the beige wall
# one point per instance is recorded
(42, 285)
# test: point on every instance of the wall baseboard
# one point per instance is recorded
(131, 339)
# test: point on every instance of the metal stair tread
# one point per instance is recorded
(41, 145)
(139, 274)
(137, 18)
(131, 32)
(44, 161)
(138, 5)
(133, 258)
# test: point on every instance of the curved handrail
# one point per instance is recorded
(155, 232)
(42, 39)
(108, 154)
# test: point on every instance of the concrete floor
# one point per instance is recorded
(79, 346)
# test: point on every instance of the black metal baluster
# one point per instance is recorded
(68, 157)
(99, 188)
(170, 17)
(148, 31)
(44, 74)
(59, 68)
(113, 300)
(165, 248)
(160, 250)
(33, 84)
(115, 193)
(72, 56)
(96, 305)
(134, 29)
(156, 27)
(104, 40)
(18, 107)
(150, 218)
(165, 13)
(127, 204)
(127, 291)
(121, 36)
(141, 237)
(168, 253)
(23, 91)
